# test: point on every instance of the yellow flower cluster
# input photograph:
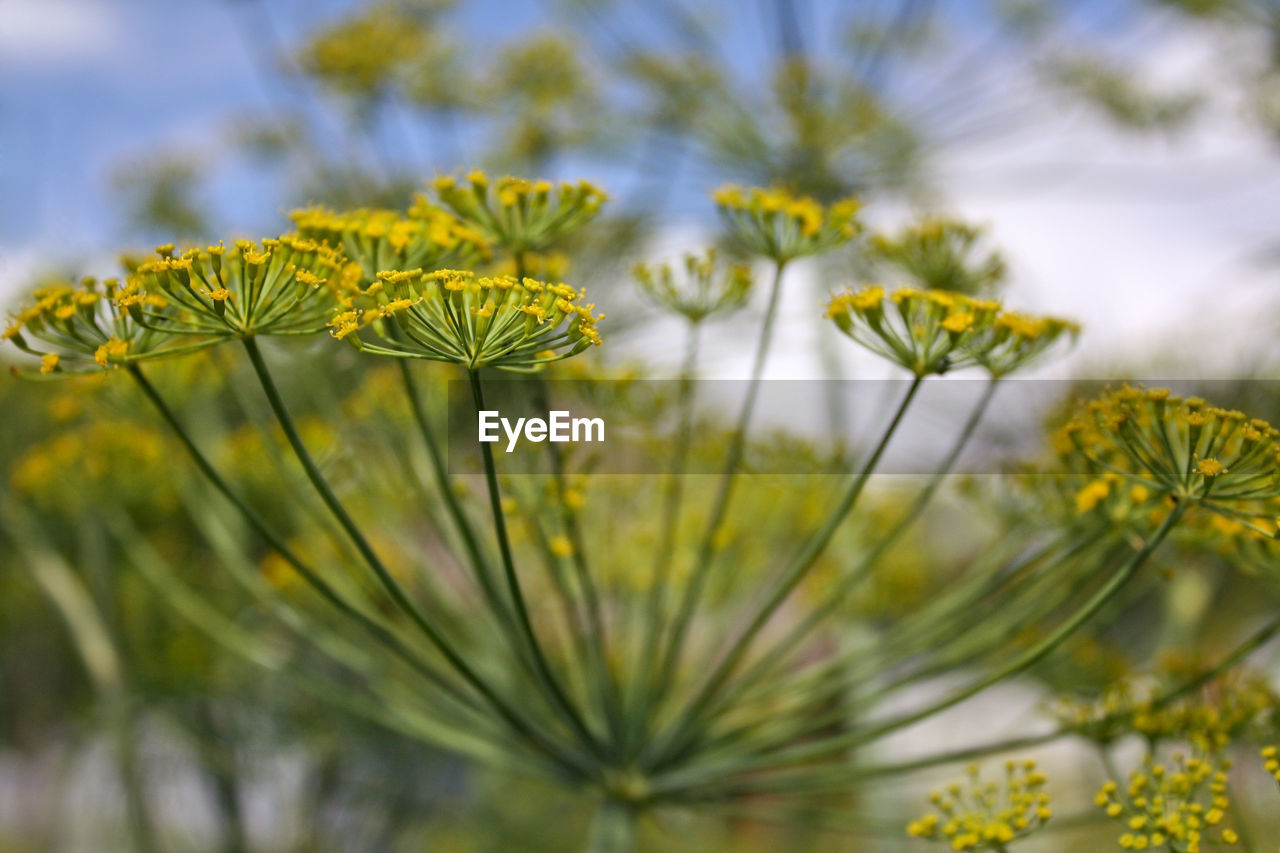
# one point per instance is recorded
(987, 815)
(1105, 490)
(704, 290)
(539, 265)
(362, 54)
(517, 214)
(940, 254)
(456, 316)
(1014, 340)
(76, 329)
(1181, 807)
(782, 226)
(427, 237)
(1271, 761)
(276, 288)
(1183, 447)
(934, 331)
(1209, 719)
(73, 469)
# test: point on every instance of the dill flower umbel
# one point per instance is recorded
(1179, 807)
(987, 815)
(283, 287)
(1209, 719)
(458, 317)
(704, 290)
(85, 328)
(1219, 458)
(924, 331)
(1271, 761)
(517, 214)
(386, 240)
(941, 254)
(782, 226)
(1015, 340)
(361, 55)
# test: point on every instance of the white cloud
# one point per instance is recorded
(55, 32)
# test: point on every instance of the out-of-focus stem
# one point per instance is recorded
(613, 829)
(791, 577)
(670, 658)
(669, 524)
(869, 560)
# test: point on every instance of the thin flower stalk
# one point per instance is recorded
(263, 529)
(835, 745)
(519, 606)
(679, 624)
(791, 576)
(393, 588)
(865, 564)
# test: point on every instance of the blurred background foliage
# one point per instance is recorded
(126, 727)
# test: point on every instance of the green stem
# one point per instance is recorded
(548, 678)
(392, 587)
(821, 684)
(706, 551)
(613, 829)
(124, 723)
(470, 542)
(256, 521)
(389, 583)
(869, 560)
(836, 745)
(672, 499)
(91, 637)
(605, 684)
(791, 577)
(1042, 649)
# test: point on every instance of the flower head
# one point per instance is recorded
(540, 265)
(362, 54)
(455, 316)
(924, 331)
(1209, 719)
(283, 287)
(941, 254)
(987, 815)
(84, 328)
(1217, 457)
(383, 239)
(1015, 340)
(517, 214)
(782, 226)
(704, 290)
(1184, 804)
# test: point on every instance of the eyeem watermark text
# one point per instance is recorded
(558, 426)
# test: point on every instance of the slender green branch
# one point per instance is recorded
(664, 554)
(273, 539)
(397, 593)
(613, 828)
(791, 577)
(835, 745)
(605, 682)
(871, 558)
(548, 678)
(670, 656)
(470, 542)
